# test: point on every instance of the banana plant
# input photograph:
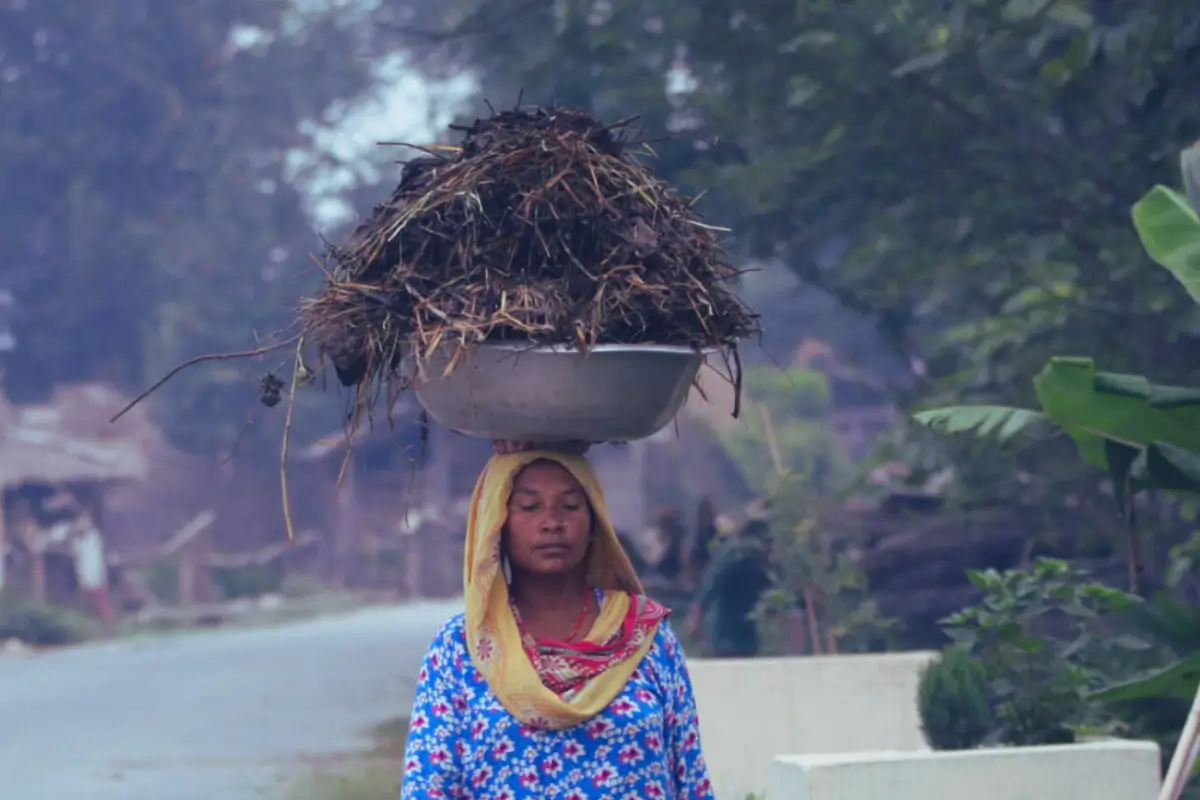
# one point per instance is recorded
(1146, 435)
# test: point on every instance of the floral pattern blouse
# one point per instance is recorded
(464, 745)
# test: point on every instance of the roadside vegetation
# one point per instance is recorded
(374, 776)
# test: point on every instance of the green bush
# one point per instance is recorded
(42, 626)
(162, 579)
(952, 698)
(299, 586)
(255, 580)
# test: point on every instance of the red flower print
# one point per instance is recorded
(502, 749)
(528, 779)
(572, 750)
(653, 742)
(485, 649)
(655, 789)
(629, 754)
(481, 776)
(598, 727)
(603, 776)
(552, 766)
(460, 703)
(621, 706)
(440, 709)
(644, 695)
(418, 722)
(439, 755)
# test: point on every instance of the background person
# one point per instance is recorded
(731, 588)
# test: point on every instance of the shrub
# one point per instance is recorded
(42, 626)
(953, 701)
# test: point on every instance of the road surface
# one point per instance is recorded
(222, 715)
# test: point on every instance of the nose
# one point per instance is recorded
(552, 522)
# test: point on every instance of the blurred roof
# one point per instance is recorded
(70, 439)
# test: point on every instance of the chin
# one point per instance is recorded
(555, 567)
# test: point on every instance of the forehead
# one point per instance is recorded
(545, 476)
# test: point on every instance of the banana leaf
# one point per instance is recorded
(1178, 681)
(996, 422)
(1170, 232)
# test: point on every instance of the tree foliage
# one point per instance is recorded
(1146, 435)
(972, 160)
(149, 216)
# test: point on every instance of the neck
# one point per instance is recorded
(541, 592)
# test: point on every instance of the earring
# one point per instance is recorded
(506, 570)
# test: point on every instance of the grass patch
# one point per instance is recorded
(376, 776)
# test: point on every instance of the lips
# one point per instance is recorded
(551, 549)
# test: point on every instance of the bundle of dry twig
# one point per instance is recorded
(540, 227)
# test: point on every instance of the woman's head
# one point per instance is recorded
(549, 523)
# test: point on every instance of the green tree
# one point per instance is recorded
(149, 215)
(957, 171)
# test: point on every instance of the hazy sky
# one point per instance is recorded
(404, 105)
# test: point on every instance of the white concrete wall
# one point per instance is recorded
(1111, 770)
(754, 709)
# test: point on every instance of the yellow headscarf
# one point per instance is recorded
(493, 638)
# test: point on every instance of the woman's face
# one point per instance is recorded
(549, 521)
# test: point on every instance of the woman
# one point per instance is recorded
(561, 680)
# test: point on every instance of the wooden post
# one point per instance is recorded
(345, 523)
(193, 557)
(3, 543)
(412, 551)
(1184, 760)
(37, 578)
(37, 552)
(642, 498)
(186, 590)
(190, 543)
(431, 488)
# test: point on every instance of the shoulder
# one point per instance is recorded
(666, 648)
(451, 639)
(453, 628)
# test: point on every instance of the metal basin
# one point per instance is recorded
(614, 393)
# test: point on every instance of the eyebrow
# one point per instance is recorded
(522, 490)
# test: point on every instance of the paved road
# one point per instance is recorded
(226, 715)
